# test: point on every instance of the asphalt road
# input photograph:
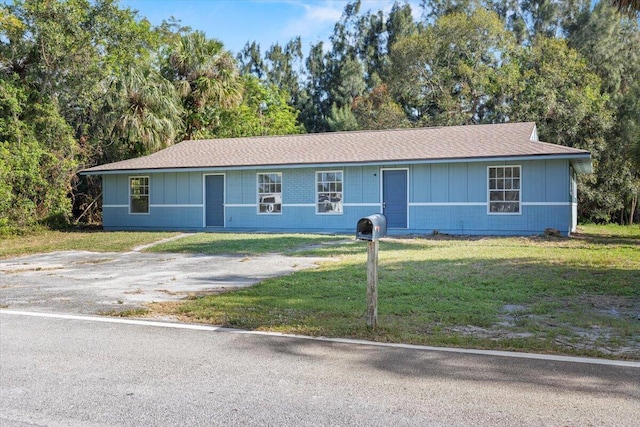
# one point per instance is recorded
(77, 372)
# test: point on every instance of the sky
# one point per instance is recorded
(236, 22)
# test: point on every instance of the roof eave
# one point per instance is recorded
(582, 165)
(580, 161)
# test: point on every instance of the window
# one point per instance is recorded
(139, 194)
(504, 189)
(270, 193)
(329, 192)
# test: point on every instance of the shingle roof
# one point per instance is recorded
(421, 144)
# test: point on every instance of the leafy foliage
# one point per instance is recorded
(264, 111)
(87, 82)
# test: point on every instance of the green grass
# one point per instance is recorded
(245, 244)
(50, 241)
(573, 296)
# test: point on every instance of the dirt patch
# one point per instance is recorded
(88, 282)
(583, 325)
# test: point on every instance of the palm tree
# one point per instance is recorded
(627, 6)
(143, 111)
(206, 78)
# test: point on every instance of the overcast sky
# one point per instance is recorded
(235, 22)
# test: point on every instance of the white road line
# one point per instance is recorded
(512, 354)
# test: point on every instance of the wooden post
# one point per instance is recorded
(372, 284)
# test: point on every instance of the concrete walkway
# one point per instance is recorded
(90, 282)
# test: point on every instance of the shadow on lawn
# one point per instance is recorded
(418, 299)
(600, 239)
(293, 246)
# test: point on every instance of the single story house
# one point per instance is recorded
(495, 179)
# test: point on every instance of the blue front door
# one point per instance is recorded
(214, 200)
(394, 197)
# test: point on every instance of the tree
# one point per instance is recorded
(142, 112)
(250, 60)
(456, 71)
(314, 102)
(342, 119)
(206, 78)
(627, 6)
(37, 163)
(399, 24)
(564, 98)
(283, 66)
(264, 111)
(609, 41)
(378, 110)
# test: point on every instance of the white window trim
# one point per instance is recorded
(341, 192)
(520, 204)
(148, 195)
(258, 193)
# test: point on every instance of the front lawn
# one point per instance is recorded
(100, 241)
(573, 296)
(245, 244)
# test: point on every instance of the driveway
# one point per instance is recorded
(90, 282)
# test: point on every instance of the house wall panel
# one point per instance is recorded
(159, 218)
(158, 188)
(115, 190)
(450, 198)
(298, 185)
(420, 184)
(557, 181)
(170, 189)
(195, 188)
(182, 188)
(458, 182)
(439, 183)
(353, 185)
(533, 181)
(371, 184)
(235, 187)
(476, 182)
(110, 189)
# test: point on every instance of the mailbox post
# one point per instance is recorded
(372, 284)
(371, 229)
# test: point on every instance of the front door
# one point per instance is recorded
(394, 197)
(214, 200)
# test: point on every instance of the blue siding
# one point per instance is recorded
(299, 185)
(534, 182)
(557, 178)
(450, 198)
(370, 185)
(476, 182)
(420, 183)
(439, 183)
(458, 181)
(475, 221)
(115, 190)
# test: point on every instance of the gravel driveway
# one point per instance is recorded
(90, 282)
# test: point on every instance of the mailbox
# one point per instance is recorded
(371, 227)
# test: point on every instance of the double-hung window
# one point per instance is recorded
(329, 192)
(504, 189)
(270, 193)
(139, 194)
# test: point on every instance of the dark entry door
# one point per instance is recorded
(394, 197)
(214, 200)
